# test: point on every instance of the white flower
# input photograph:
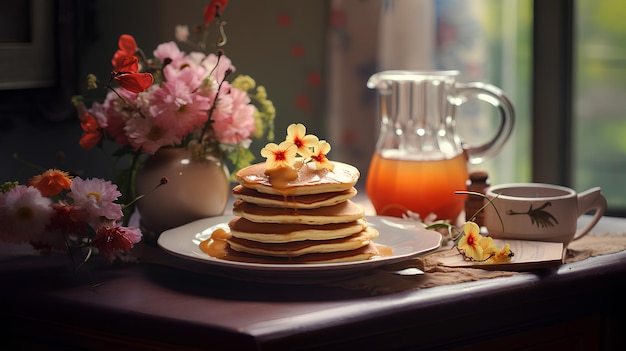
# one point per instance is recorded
(24, 214)
(182, 32)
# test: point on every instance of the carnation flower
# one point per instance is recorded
(112, 239)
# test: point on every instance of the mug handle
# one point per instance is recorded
(587, 201)
(495, 97)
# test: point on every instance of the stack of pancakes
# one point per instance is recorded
(310, 219)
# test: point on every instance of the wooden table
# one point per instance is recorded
(148, 306)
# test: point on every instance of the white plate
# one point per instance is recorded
(406, 238)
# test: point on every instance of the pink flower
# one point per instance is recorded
(176, 106)
(169, 50)
(98, 112)
(234, 118)
(188, 71)
(116, 114)
(24, 214)
(210, 62)
(95, 197)
(112, 239)
(145, 134)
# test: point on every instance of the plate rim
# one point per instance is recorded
(302, 268)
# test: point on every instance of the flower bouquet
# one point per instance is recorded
(177, 99)
(57, 212)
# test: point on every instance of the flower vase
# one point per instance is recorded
(196, 188)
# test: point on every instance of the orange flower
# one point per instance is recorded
(51, 182)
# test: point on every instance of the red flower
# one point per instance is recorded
(215, 8)
(127, 77)
(126, 66)
(111, 239)
(67, 219)
(135, 82)
(92, 133)
(127, 47)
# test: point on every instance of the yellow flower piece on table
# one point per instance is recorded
(504, 254)
(470, 241)
(475, 247)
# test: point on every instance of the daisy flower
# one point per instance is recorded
(95, 196)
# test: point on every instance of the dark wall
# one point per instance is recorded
(280, 43)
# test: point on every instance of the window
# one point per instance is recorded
(559, 61)
(599, 109)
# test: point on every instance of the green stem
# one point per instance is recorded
(131, 188)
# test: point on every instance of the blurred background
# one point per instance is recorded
(562, 64)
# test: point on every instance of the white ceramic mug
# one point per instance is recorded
(542, 212)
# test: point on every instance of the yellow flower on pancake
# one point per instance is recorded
(277, 156)
(319, 156)
(296, 134)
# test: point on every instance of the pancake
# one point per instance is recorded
(284, 233)
(344, 212)
(364, 253)
(300, 202)
(299, 248)
(308, 181)
(361, 254)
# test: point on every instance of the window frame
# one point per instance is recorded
(552, 91)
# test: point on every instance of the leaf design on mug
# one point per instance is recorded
(539, 216)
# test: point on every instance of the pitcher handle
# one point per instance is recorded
(587, 201)
(495, 97)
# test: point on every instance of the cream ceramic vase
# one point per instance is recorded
(196, 189)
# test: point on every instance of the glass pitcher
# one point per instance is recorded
(420, 161)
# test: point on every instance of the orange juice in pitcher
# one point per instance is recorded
(420, 161)
(397, 185)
